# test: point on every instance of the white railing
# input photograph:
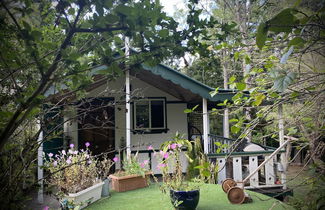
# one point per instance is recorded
(239, 165)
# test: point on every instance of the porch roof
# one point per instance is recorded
(168, 80)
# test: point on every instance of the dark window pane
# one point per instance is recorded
(157, 114)
(142, 114)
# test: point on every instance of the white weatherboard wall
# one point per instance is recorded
(176, 118)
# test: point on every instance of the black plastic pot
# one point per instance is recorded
(185, 200)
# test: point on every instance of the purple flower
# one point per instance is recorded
(145, 161)
(71, 146)
(89, 162)
(166, 155)
(55, 163)
(46, 208)
(150, 147)
(50, 154)
(115, 159)
(68, 161)
(63, 152)
(173, 146)
(161, 165)
(87, 144)
(75, 152)
(142, 165)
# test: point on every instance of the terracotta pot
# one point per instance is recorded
(130, 182)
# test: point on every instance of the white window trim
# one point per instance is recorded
(149, 100)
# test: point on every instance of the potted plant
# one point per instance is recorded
(184, 194)
(76, 177)
(134, 175)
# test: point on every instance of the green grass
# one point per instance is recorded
(212, 197)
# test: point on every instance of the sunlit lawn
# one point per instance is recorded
(212, 197)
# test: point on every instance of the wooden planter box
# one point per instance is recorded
(130, 182)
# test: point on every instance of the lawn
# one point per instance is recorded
(212, 198)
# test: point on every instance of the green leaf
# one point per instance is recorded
(71, 11)
(236, 56)
(259, 99)
(283, 81)
(283, 21)
(232, 79)
(186, 111)
(261, 35)
(297, 41)
(234, 129)
(206, 173)
(163, 33)
(233, 120)
(215, 92)
(240, 86)
(122, 9)
(112, 18)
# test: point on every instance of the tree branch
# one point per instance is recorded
(97, 30)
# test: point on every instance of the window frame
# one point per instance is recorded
(150, 129)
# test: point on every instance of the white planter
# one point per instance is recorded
(86, 196)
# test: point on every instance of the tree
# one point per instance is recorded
(49, 44)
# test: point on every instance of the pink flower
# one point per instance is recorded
(150, 147)
(68, 161)
(55, 163)
(142, 165)
(166, 155)
(50, 154)
(75, 152)
(71, 146)
(89, 162)
(173, 146)
(161, 153)
(87, 144)
(145, 161)
(161, 165)
(115, 159)
(46, 208)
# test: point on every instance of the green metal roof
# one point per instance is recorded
(189, 83)
(175, 77)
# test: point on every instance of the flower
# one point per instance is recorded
(75, 152)
(46, 208)
(87, 144)
(150, 147)
(70, 151)
(55, 163)
(166, 155)
(146, 161)
(68, 161)
(161, 165)
(115, 159)
(50, 154)
(89, 161)
(179, 145)
(173, 146)
(71, 146)
(63, 152)
(142, 165)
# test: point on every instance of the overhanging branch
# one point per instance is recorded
(97, 30)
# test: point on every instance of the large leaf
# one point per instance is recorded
(282, 82)
(261, 35)
(282, 22)
(285, 57)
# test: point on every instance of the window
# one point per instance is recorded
(150, 115)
